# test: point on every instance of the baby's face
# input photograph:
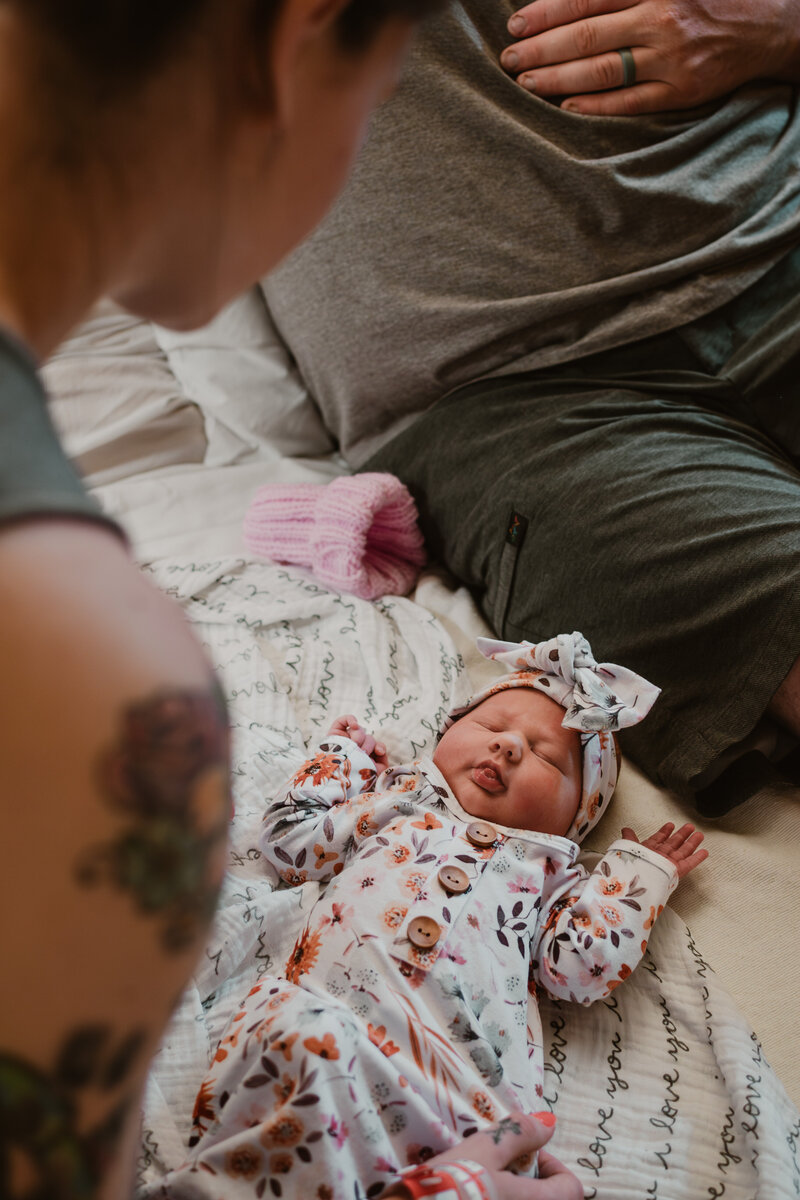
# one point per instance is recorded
(510, 760)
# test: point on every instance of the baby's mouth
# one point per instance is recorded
(487, 776)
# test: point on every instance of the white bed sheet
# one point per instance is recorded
(661, 1091)
(182, 505)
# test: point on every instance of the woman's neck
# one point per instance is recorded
(49, 277)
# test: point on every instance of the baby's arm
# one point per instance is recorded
(597, 925)
(307, 832)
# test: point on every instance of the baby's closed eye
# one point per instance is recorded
(546, 758)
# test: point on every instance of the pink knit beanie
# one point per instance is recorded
(357, 534)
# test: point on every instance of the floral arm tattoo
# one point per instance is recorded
(167, 777)
(164, 777)
(43, 1150)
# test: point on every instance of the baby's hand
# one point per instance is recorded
(680, 847)
(349, 727)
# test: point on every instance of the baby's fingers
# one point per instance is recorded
(656, 841)
(356, 732)
(662, 837)
(688, 837)
(683, 843)
(344, 724)
(689, 864)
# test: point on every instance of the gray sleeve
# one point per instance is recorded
(36, 477)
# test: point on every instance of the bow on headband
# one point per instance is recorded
(599, 698)
(596, 695)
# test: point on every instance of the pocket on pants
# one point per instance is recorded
(515, 532)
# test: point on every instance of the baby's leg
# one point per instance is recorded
(298, 1093)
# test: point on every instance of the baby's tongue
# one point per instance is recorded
(487, 777)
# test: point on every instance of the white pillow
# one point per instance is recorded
(115, 401)
(243, 379)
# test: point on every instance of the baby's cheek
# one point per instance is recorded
(475, 807)
(443, 759)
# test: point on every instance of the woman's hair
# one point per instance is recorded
(362, 19)
(118, 43)
(112, 43)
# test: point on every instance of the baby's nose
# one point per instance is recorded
(510, 745)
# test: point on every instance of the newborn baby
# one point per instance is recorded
(405, 1016)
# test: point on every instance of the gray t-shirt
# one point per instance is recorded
(36, 477)
(486, 231)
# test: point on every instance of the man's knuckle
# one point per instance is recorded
(542, 16)
(631, 101)
(606, 72)
(579, 9)
(664, 19)
(585, 38)
(671, 26)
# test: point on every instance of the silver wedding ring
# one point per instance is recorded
(628, 67)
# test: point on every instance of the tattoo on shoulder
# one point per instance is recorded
(44, 1154)
(168, 777)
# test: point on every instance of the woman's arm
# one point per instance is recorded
(115, 781)
(685, 52)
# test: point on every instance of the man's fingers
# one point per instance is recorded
(583, 39)
(627, 102)
(685, 53)
(597, 74)
(550, 14)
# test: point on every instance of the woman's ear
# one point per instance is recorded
(279, 53)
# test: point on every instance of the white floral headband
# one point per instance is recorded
(599, 699)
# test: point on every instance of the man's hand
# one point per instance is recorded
(685, 52)
(349, 727)
(680, 846)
